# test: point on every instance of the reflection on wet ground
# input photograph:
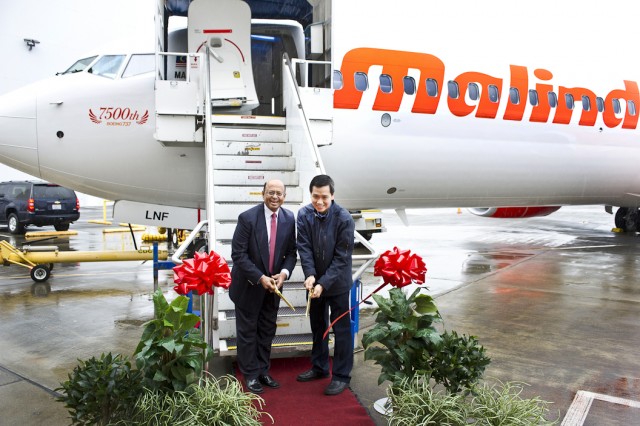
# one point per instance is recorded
(481, 263)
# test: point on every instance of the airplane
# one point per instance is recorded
(505, 109)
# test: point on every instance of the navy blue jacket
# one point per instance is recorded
(250, 254)
(325, 246)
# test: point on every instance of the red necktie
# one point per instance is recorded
(272, 243)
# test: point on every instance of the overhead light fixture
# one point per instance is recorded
(31, 42)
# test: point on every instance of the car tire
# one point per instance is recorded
(15, 227)
(61, 227)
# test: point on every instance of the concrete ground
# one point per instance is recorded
(555, 301)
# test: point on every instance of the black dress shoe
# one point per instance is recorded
(268, 381)
(254, 386)
(335, 387)
(310, 375)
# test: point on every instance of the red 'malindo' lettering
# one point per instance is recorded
(540, 113)
(396, 64)
(486, 108)
(630, 94)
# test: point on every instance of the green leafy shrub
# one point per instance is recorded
(404, 342)
(405, 328)
(216, 401)
(100, 391)
(171, 352)
(459, 362)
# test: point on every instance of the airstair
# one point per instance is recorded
(242, 151)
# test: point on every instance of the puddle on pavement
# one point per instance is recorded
(483, 263)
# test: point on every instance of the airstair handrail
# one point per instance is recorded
(183, 247)
(373, 255)
(369, 258)
(309, 139)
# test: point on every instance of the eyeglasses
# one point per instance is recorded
(275, 193)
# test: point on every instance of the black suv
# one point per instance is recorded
(25, 203)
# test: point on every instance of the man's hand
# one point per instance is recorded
(310, 282)
(279, 279)
(317, 291)
(268, 283)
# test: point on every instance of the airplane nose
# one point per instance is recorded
(18, 135)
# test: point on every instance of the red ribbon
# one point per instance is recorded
(396, 267)
(201, 274)
(400, 268)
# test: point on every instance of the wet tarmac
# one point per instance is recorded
(555, 301)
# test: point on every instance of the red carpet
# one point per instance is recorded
(305, 404)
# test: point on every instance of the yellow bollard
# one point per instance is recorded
(104, 220)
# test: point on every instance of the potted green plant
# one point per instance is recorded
(171, 352)
(404, 340)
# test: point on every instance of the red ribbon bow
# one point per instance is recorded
(400, 268)
(396, 267)
(201, 274)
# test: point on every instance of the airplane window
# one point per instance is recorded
(474, 91)
(600, 104)
(533, 97)
(107, 66)
(385, 83)
(586, 103)
(409, 85)
(494, 94)
(631, 106)
(568, 100)
(514, 95)
(616, 106)
(337, 80)
(432, 87)
(139, 64)
(454, 91)
(79, 65)
(362, 82)
(553, 99)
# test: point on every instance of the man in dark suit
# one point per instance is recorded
(325, 243)
(261, 262)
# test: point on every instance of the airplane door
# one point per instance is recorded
(225, 27)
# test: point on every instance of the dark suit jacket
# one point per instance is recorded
(250, 254)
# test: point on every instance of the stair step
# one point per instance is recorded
(248, 177)
(294, 291)
(250, 194)
(280, 343)
(230, 212)
(248, 120)
(241, 134)
(252, 148)
(288, 322)
(224, 249)
(228, 162)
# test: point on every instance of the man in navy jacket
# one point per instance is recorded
(253, 281)
(325, 245)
